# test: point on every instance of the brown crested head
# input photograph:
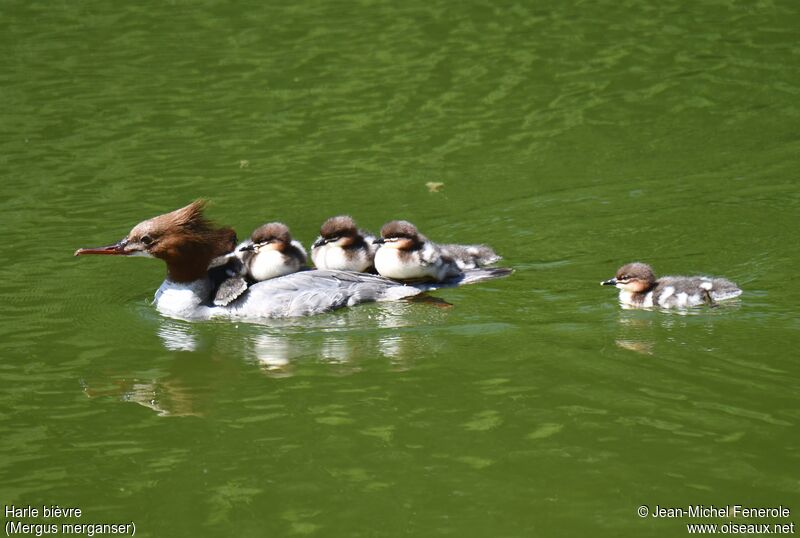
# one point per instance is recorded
(272, 232)
(636, 271)
(634, 277)
(400, 234)
(340, 226)
(185, 239)
(400, 229)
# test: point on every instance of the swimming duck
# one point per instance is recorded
(190, 244)
(639, 288)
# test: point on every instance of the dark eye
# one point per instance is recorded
(147, 240)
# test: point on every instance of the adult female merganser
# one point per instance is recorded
(639, 288)
(342, 246)
(189, 244)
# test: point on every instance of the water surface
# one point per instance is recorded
(573, 138)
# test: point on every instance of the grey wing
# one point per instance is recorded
(430, 254)
(230, 290)
(471, 256)
(317, 291)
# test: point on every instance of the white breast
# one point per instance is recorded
(184, 301)
(389, 264)
(335, 258)
(626, 298)
(270, 264)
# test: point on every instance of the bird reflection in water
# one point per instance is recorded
(644, 331)
(206, 357)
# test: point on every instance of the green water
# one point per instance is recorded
(571, 137)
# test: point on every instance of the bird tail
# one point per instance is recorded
(723, 289)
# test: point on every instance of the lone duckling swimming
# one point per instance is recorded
(639, 288)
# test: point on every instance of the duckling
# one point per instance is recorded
(405, 254)
(341, 245)
(269, 253)
(639, 288)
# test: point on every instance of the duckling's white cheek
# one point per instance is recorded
(630, 287)
(621, 286)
